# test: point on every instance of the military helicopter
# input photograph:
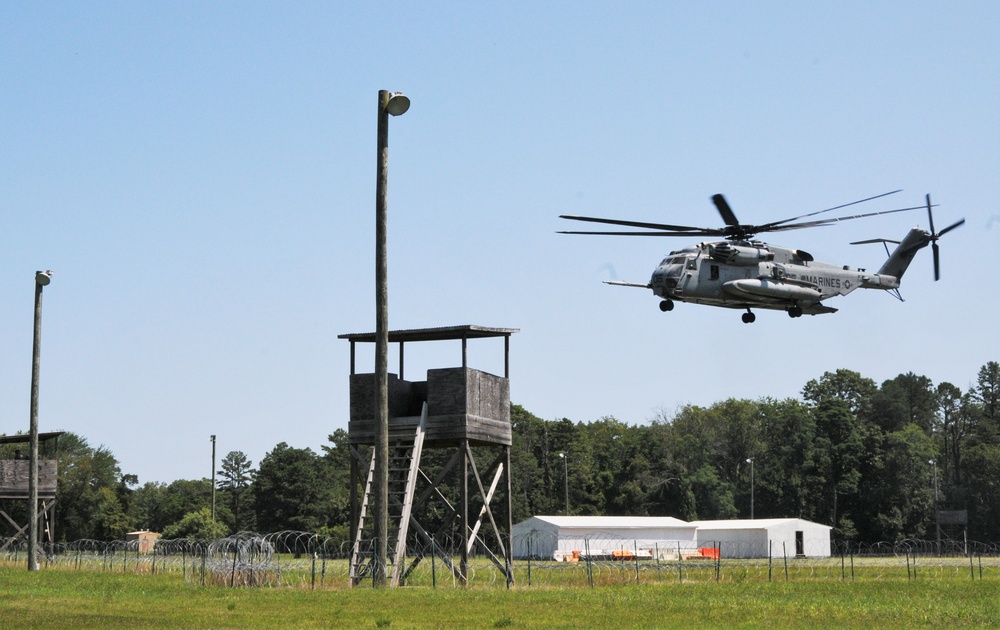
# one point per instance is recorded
(743, 273)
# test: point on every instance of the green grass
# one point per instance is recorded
(70, 599)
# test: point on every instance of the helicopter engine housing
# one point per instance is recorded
(739, 254)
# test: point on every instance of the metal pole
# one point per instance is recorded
(937, 521)
(565, 459)
(213, 478)
(750, 461)
(42, 278)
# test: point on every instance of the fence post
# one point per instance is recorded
(852, 564)
(232, 575)
(322, 574)
(635, 544)
(784, 553)
(718, 560)
(907, 565)
(590, 568)
(680, 564)
(312, 545)
(530, 540)
(770, 550)
(434, 581)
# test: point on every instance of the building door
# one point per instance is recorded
(800, 547)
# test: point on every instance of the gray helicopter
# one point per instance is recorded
(743, 273)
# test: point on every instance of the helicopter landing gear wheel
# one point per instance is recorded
(667, 305)
(795, 311)
(749, 317)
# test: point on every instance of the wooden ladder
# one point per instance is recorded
(404, 468)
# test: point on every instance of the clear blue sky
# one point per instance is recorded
(201, 178)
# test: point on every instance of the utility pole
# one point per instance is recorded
(396, 104)
(42, 278)
(213, 478)
(565, 459)
(937, 521)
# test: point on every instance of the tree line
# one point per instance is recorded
(873, 461)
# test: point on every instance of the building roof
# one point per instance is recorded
(616, 522)
(757, 523)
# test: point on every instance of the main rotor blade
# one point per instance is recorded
(767, 226)
(723, 207)
(638, 224)
(658, 233)
(774, 227)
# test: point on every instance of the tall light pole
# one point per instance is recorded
(565, 459)
(937, 523)
(212, 438)
(42, 279)
(750, 461)
(394, 103)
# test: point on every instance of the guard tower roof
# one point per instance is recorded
(444, 333)
(24, 438)
(433, 334)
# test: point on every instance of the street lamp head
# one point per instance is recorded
(398, 104)
(749, 460)
(562, 455)
(43, 278)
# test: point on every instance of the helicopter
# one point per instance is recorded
(742, 273)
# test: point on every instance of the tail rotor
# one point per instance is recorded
(934, 236)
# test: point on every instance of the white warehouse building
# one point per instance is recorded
(764, 537)
(563, 537)
(664, 537)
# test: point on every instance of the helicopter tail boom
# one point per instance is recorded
(902, 256)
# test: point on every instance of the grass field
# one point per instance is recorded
(61, 598)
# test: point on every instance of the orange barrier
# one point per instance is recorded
(709, 552)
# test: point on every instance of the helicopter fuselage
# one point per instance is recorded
(753, 274)
(743, 273)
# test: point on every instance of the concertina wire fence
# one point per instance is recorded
(310, 561)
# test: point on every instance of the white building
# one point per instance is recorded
(763, 537)
(664, 537)
(567, 537)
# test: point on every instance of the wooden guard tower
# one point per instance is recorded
(456, 410)
(14, 484)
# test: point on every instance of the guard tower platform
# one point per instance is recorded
(14, 475)
(455, 409)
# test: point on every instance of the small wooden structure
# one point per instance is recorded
(14, 484)
(454, 410)
(145, 540)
